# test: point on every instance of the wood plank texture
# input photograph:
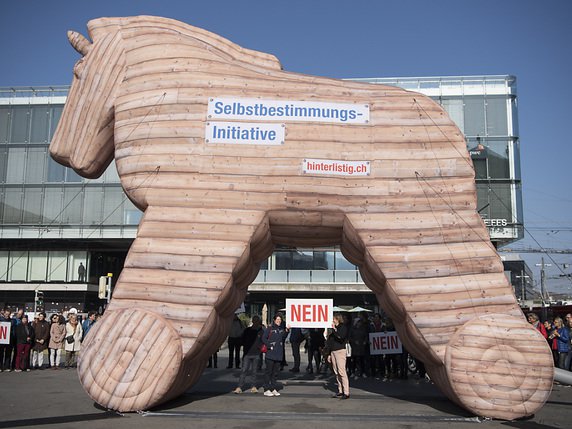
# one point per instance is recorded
(214, 211)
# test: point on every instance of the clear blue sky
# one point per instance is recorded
(385, 38)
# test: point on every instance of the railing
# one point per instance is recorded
(308, 276)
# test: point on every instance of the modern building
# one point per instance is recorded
(59, 232)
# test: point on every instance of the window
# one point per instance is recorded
(18, 265)
(283, 260)
(499, 167)
(323, 260)
(4, 124)
(302, 260)
(20, 124)
(40, 124)
(3, 265)
(71, 213)
(342, 263)
(92, 206)
(32, 205)
(474, 116)
(497, 118)
(494, 201)
(12, 206)
(35, 162)
(16, 165)
(56, 115)
(57, 266)
(52, 205)
(454, 108)
(74, 261)
(72, 176)
(3, 163)
(112, 206)
(38, 266)
(56, 172)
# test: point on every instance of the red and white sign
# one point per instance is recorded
(336, 167)
(5, 332)
(310, 313)
(384, 343)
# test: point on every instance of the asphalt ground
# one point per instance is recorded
(54, 398)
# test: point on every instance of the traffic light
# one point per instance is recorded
(102, 287)
(39, 300)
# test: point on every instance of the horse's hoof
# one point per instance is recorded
(131, 361)
(500, 367)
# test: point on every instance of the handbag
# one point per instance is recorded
(348, 350)
(71, 338)
(264, 347)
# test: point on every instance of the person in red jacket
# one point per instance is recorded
(534, 321)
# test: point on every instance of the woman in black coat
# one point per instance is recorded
(273, 338)
(337, 340)
(24, 341)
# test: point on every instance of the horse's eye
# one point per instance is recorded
(78, 68)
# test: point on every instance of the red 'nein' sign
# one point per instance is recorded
(309, 313)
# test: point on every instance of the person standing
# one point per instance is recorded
(24, 341)
(74, 332)
(568, 361)
(296, 338)
(337, 340)
(273, 338)
(81, 272)
(6, 349)
(251, 341)
(234, 342)
(316, 343)
(533, 320)
(56, 344)
(88, 323)
(562, 337)
(41, 338)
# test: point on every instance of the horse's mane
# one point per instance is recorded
(159, 25)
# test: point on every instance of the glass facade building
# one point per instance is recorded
(51, 219)
(485, 110)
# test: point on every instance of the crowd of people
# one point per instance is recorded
(31, 340)
(343, 350)
(558, 334)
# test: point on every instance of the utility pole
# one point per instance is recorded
(522, 285)
(543, 291)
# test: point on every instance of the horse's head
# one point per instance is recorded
(84, 137)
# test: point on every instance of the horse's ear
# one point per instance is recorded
(79, 42)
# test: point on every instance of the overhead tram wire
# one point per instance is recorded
(82, 188)
(100, 225)
(485, 240)
(490, 189)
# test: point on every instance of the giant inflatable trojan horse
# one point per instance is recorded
(229, 155)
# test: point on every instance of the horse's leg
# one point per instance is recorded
(441, 281)
(185, 275)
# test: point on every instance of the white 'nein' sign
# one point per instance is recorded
(287, 110)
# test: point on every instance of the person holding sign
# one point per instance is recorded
(7, 336)
(273, 338)
(337, 340)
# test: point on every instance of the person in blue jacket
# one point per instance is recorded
(273, 338)
(562, 336)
